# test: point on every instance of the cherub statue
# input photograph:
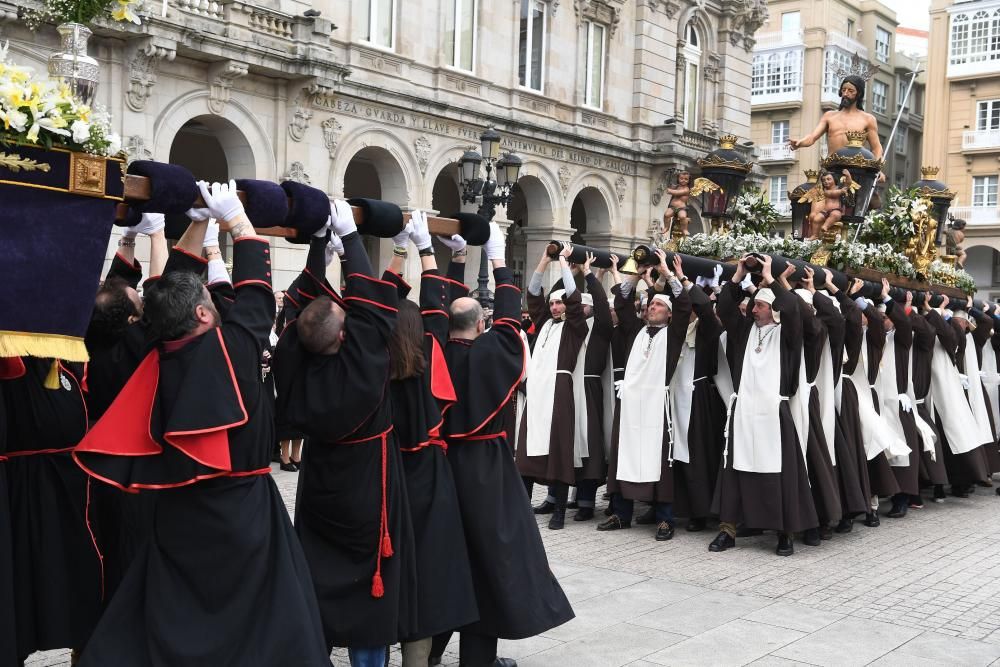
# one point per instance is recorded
(827, 202)
(679, 196)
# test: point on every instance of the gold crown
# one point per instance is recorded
(812, 175)
(728, 141)
(856, 138)
(929, 172)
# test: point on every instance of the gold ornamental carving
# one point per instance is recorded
(86, 175)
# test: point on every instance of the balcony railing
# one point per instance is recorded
(976, 215)
(847, 44)
(979, 139)
(777, 40)
(775, 152)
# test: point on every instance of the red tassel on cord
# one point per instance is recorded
(378, 590)
(386, 546)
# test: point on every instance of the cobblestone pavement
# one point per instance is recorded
(924, 590)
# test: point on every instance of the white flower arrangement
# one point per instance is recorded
(945, 274)
(732, 246)
(83, 11)
(880, 257)
(35, 110)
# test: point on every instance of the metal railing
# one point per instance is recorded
(775, 152)
(976, 139)
(976, 215)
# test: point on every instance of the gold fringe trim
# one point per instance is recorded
(52, 346)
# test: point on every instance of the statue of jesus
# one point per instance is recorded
(851, 116)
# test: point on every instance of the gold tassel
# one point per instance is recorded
(52, 379)
(52, 346)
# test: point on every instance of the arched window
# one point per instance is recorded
(979, 36)
(959, 38)
(692, 77)
(757, 75)
(791, 72)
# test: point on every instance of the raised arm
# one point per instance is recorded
(813, 136)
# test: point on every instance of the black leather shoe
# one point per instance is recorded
(664, 532)
(647, 518)
(810, 538)
(743, 531)
(614, 523)
(785, 547)
(722, 542)
(433, 662)
(505, 662)
(825, 532)
(545, 508)
(288, 467)
(845, 525)
(898, 511)
(558, 520)
(695, 525)
(584, 514)
(960, 491)
(871, 520)
(916, 503)
(572, 505)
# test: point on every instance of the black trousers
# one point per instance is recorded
(474, 650)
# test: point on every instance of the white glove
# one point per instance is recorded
(330, 251)
(342, 218)
(211, 234)
(199, 214)
(150, 224)
(618, 388)
(702, 282)
(222, 201)
(496, 246)
(905, 402)
(965, 381)
(746, 283)
(862, 303)
(456, 243)
(716, 275)
(321, 232)
(402, 239)
(420, 235)
(336, 245)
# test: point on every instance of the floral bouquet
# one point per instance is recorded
(881, 257)
(42, 111)
(893, 223)
(946, 274)
(753, 213)
(83, 11)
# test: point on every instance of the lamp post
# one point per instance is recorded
(502, 173)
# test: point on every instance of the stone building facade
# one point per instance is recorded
(602, 99)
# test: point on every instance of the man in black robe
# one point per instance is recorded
(517, 593)
(193, 423)
(332, 373)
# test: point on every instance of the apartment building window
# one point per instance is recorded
(880, 96)
(692, 88)
(531, 49)
(974, 37)
(460, 34)
(778, 191)
(988, 115)
(791, 23)
(779, 132)
(900, 140)
(833, 60)
(984, 191)
(882, 40)
(850, 28)
(900, 92)
(775, 73)
(594, 64)
(382, 23)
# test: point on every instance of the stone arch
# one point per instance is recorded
(442, 157)
(248, 147)
(982, 256)
(602, 188)
(23, 55)
(375, 173)
(392, 159)
(703, 22)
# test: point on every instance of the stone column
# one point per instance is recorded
(537, 239)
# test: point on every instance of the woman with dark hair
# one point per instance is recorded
(421, 392)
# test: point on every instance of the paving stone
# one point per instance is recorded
(735, 643)
(612, 646)
(954, 650)
(701, 613)
(848, 642)
(793, 616)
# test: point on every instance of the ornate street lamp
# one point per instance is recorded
(726, 170)
(940, 196)
(864, 169)
(800, 210)
(493, 191)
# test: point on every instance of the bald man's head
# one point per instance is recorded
(321, 326)
(467, 319)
